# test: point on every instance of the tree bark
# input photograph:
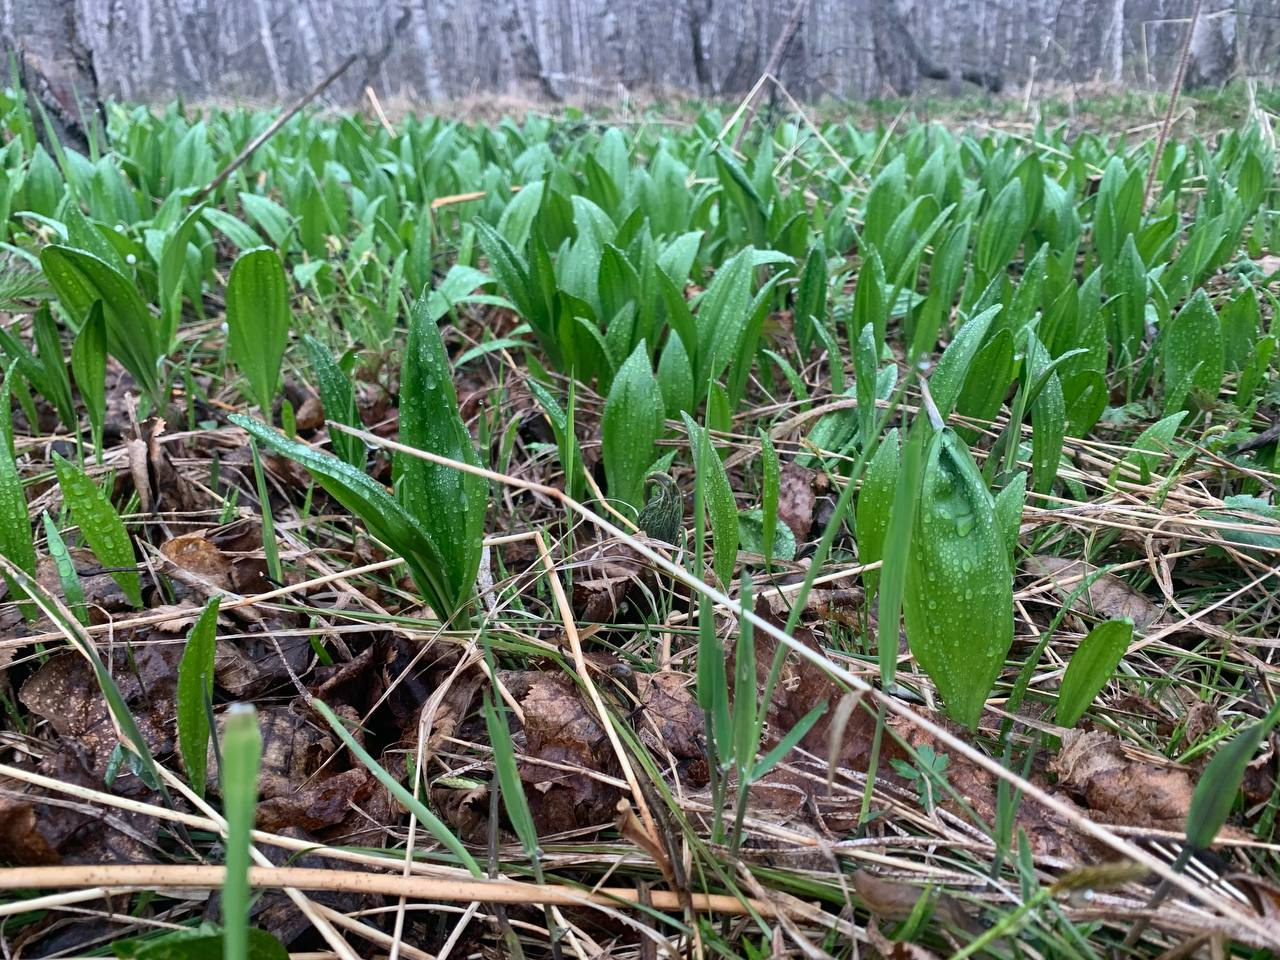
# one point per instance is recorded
(56, 68)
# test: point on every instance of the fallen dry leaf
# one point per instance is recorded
(200, 557)
(1108, 597)
(1092, 765)
(559, 729)
(796, 499)
(37, 828)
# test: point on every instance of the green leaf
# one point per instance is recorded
(632, 423)
(1009, 504)
(448, 503)
(875, 504)
(1152, 444)
(746, 734)
(72, 589)
(338, 398)
(675, 377)
(89, 365)
(241, 758)
(1219, 782)
(205, 942)
(17, 543)
(898, 553)
(1193, 352)
(770, 491)
(953, 368)
(1091, 666)
(79, 278)
(258, 322)
(100, 526)
(513, 795)
(719, 499)
(987, 384)
(958, 603)
(751, 537)
(195, 695)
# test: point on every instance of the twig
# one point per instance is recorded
(1174, 91)
(377, 109)
(276, 124)
(152, 876)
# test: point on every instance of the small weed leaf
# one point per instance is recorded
(1092, 665)
(1215, 792)
(195, 695)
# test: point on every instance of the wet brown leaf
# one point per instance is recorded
(64, 691)
(559, 729)
(1108, 597)
(796, 499)
(37, 828)
(1092, 765)
(200, 557)
(102, 594)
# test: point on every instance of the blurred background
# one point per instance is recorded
(599, 52)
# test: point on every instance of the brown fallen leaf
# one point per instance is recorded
(1108, 597)
(102, 595)
(39, 828)
(1092, 765)
(895, 900)
(671, 719)
(200, 557)
(64, 691)
(559, 729)
(297, 788)
(796, 499)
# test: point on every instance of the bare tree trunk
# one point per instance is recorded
(56, 68)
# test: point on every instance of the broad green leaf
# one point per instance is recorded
(1193, 352)
(953, 367)
(751, 531)
(337, 396)
(366, 498)
(958, 603)
(632, 423)
(875, 505)
(719, 499)
(133, 335)
(17, 543)
(205, 942)
(89, 365)
(1091, 666)
(1009, 505)
(258, 322)
(448, 503)
(100, 526)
